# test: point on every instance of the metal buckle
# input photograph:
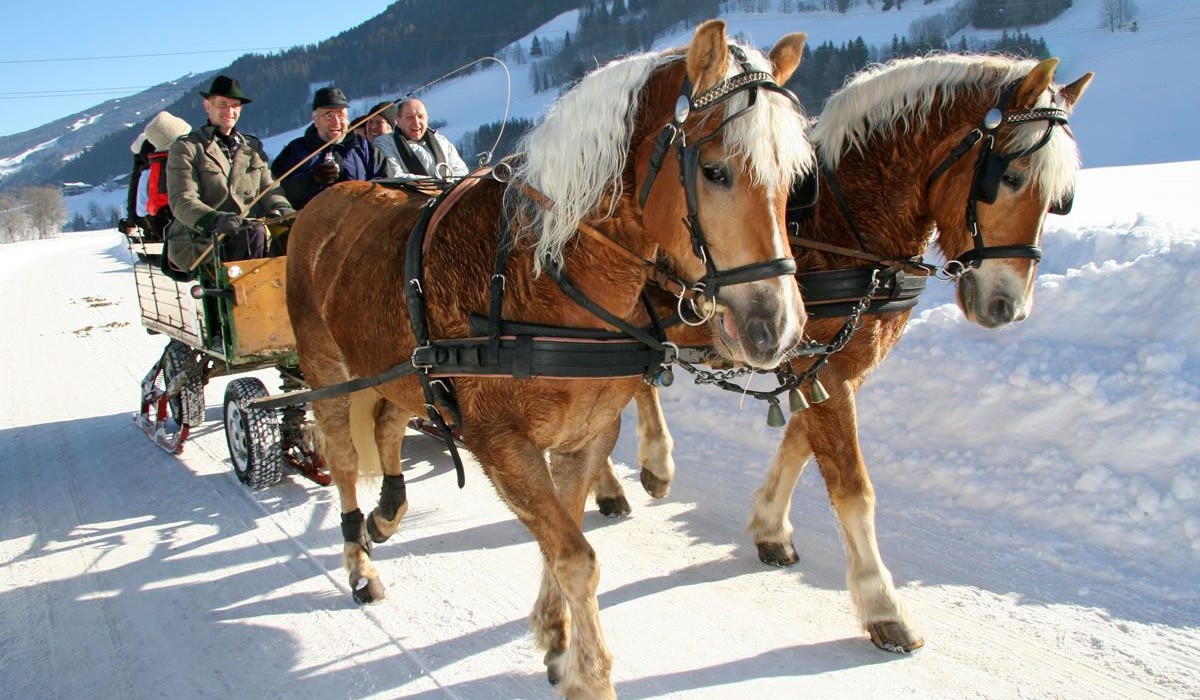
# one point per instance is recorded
(422, 358)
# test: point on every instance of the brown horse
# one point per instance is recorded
(975, 149)
(543, 440)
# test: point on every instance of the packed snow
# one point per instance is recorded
(1038, 499)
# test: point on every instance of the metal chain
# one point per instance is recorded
(787, 378)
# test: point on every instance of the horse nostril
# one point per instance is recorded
(762, 335)
(1001, 311)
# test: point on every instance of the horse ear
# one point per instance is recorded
(1071, 93)
(1035, 84)
(708, 56)
(785, 56)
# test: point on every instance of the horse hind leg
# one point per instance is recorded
(334, 419)
(390, 421)
(610, 495)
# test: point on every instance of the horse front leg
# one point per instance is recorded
(566, 617)
(587, 656)
(333, 418)
(655, 444)
(770, 523)
(833, 434)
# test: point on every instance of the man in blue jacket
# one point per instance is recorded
(350, 157)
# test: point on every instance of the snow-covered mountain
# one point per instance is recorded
(32, 156)
(1155, 131)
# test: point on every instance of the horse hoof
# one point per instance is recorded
(777, 554)
(376, 536)
(895, 637)
(656, 487)
(553, 661)
(614, 507)
(368, 591)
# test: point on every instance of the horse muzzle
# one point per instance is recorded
(758, 323)
(991, 300)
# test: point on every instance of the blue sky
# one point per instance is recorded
(61, 58)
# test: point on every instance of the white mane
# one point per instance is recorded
(577, 155)
(899, 95)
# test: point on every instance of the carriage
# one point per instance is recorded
(232, 319)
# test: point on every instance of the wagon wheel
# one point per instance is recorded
(188, 405)
(255, 444)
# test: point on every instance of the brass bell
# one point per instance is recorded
(796, 401)
(775, 415)
(816, 392)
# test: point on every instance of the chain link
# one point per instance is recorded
(788, 379)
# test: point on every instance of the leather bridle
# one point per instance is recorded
(990, 167)
(688, 155)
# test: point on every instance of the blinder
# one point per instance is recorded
(805, 191)
(1062, 207)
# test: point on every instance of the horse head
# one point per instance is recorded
(740, 143)
(992, 189)
(685, 157)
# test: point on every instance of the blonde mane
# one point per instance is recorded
(576, 156)
(899, 96)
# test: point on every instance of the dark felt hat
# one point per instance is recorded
(330, 97)
(389, 113)
(225, 86)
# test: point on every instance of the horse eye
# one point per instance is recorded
(1013, 179)
(717, 173)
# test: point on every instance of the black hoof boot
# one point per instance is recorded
(777, 554)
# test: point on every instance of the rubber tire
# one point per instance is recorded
(188, 406)
(253, 436)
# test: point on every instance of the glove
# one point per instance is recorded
(281, 212)
(326, 173)
(226, 224)
(126, 226)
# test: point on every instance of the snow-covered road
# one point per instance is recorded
(126, 572)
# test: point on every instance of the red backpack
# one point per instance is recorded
(157, 186)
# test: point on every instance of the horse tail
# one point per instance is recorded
(364, 409)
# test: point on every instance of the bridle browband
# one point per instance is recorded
(990, 166)
(688, 155)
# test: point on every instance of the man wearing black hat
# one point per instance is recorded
(348, 157)
(213, 174)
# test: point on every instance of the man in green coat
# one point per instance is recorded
(213, 175)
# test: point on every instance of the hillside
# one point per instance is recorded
(377, 61)
(37, 156)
